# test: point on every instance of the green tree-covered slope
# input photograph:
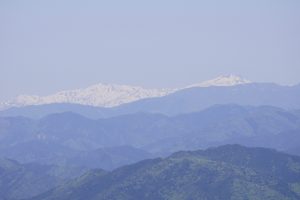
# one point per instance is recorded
(226, 172)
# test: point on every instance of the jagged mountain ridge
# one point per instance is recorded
(187, 100)
(101, 95)
(110, 95)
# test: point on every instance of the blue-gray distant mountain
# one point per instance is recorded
(223, 173)
(73, 139)
(40, 111)
(197, 98)
(183, 101)
(49, 152)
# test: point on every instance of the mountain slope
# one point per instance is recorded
(40, 111)
(51, 153)
(19, 181)
(199, 98)
(228, 172)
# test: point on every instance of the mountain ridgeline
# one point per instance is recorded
(223, 173)
(186, 100)
(110, 95)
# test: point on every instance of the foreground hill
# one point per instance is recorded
(227, 172)
(19, 181)
(186, 100)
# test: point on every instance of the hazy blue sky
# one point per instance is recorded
(49, 45)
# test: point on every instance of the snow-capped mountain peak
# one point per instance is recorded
(110, 95)
(101, 95)
(224, 80)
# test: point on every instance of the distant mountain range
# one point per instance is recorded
(110, 95)
(69, 138)
(110, 126)
(223, 173)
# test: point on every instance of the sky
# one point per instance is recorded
(52, 45)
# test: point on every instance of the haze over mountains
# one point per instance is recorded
(115, 128)
(134, 100)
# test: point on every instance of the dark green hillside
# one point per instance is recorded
(227, 172)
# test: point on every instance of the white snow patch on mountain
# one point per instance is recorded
(110, 95)
(101, 95)
(228, 80)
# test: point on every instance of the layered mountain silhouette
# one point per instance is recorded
(43, 146)
(69, 138)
